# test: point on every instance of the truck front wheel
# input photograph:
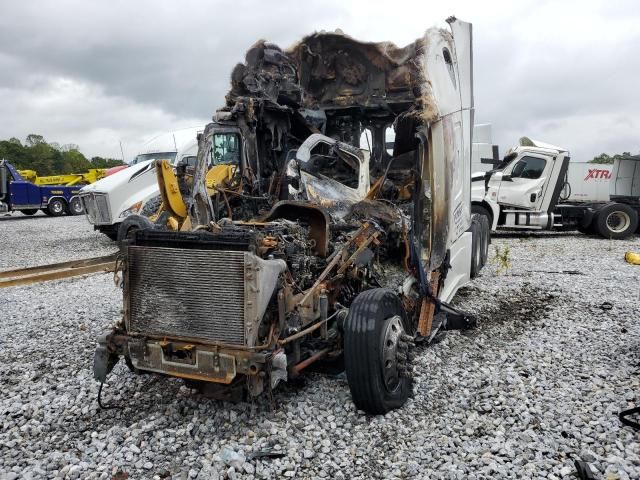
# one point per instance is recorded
(616, 221)
(376, 352)
(56, 207)
(131, 225)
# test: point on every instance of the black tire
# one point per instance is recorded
(75, 207)
(476, 245)
(132, 224)
(485, 239)
(371, 321)
(47, 212)
(56, 207)
(616, 220)
(30, 211)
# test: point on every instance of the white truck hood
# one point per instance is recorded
(107, 184)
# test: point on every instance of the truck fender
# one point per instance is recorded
(60, 197)
(493, 209)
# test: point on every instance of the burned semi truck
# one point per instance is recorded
(318, 249)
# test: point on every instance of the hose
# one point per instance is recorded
(101, 405)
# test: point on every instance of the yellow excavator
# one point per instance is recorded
(173, 204)
(175, 184)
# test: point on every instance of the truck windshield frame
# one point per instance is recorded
(225, 149)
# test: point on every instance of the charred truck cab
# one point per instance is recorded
(318, 248)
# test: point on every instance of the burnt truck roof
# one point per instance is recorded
(332, 71)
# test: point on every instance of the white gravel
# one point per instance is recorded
(537, 385)
(26, 241)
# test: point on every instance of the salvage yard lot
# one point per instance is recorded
(539, 383)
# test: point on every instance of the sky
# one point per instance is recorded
(97, 74)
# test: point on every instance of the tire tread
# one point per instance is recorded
(361, 329)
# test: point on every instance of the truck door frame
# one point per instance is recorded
(538, 186)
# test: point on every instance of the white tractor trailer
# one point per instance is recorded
(536, 187)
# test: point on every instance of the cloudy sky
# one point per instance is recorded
(95, 73)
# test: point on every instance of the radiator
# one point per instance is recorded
(185, 292)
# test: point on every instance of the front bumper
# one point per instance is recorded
(200, 362)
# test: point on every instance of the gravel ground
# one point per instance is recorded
(538, 384)
(27, 241)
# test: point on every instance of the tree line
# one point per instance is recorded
(604, 158)
(50, 158)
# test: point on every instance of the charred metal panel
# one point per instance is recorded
(439, 192)
(337, 70)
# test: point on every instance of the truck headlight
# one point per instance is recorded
(131, 210)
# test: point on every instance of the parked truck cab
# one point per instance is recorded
(108, 202)
(526, 193)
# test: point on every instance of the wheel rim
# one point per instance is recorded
(618, 221)
(56, 207)
(76, 206)
(391, 339)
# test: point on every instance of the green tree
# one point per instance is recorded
(49, 158)
(33, 139)
(604, 158)
(100, 162)
(75, 161)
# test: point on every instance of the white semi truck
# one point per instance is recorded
(108, 202)
(320, 248)
(530, 191)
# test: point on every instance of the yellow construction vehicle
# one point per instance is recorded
(67, 180)
(171, 213)
(177, 217)
(172, 200)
